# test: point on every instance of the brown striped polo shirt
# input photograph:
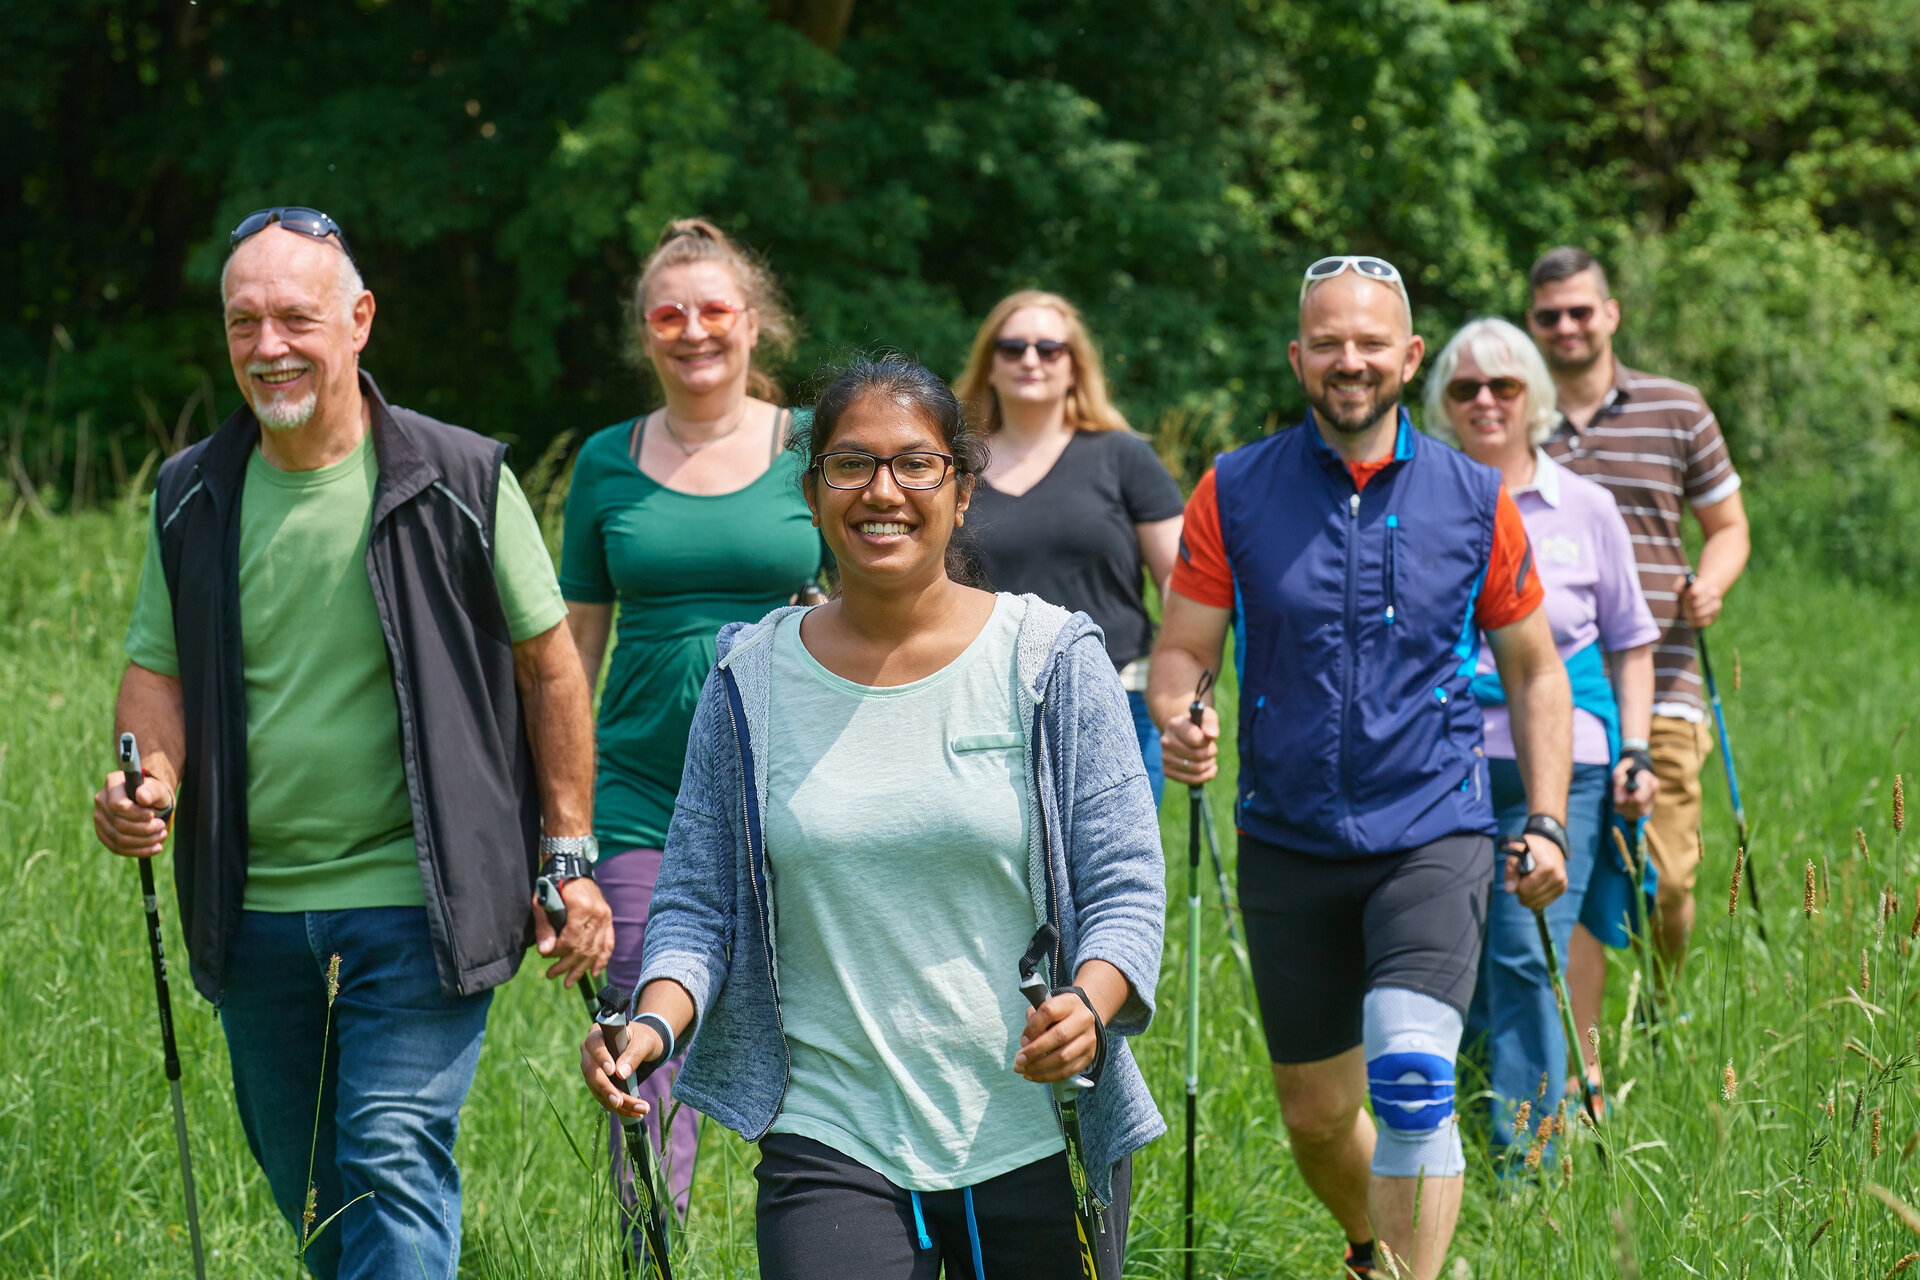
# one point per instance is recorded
(1653, 443)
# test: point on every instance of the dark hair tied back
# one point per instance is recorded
(913, 386)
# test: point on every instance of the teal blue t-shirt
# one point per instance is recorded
(897, 836)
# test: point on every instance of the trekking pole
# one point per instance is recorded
(1516, 847)
(1726, 763)
(646, 1212)
(133, 774)
(1197, 800)
(1627, 837)
(556, 908)
(1227, 906)
(1066, 1096)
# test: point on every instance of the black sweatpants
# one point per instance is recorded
(825, 1216)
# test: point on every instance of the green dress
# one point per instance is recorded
(680, 566)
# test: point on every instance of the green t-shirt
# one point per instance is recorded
(681, 567)
(897, 836)
(329, 822)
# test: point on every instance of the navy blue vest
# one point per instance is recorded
(1355, 640)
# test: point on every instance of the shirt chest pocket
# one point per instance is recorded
(965, 743)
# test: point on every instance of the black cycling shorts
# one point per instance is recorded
(1322, 932)
(822, 1215)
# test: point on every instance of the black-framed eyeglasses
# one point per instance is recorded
(1015, 349)
(849, 469)
(294, 217)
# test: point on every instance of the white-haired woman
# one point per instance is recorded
(1490, 394)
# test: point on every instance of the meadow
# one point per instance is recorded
(1770, 1132)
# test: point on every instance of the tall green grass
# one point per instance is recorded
(1773, 1181)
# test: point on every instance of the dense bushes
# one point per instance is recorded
(1747, 168)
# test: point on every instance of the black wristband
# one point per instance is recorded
(566, 866)
(1094, 1072)
(1547, 827)
(661, 1029)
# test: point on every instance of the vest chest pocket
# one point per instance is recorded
(987, 742)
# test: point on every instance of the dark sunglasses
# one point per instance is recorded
(1549, 317)
(294, 217)
(1016, 349)
(1462, 390)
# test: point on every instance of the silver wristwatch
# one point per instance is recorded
(585, 848)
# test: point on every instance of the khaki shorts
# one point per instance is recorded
(1679, 748)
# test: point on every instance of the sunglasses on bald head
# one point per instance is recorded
(1361, 265)
(294, 217)
(669, 320)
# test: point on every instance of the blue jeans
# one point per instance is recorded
(399, 1061)
(1149, 735)
(1513, 1005)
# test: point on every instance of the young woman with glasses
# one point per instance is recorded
(885, 794)
(1073, 505)
(687, 518)
(1490, 394)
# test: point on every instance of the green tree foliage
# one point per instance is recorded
(1747, 168)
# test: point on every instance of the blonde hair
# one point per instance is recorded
(686, 240)
(1088, 408)
(1501, 351)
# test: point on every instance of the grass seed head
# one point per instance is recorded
(1521, 1118)
(1903, 1264)
(1736, 670)
(1913, 930)
(307, 1215)
(1733, 890)
(1906, 1148)
(333, 978)
(1541, 1096)
(1873, 1144)
(1807, 896)
(1566, 1169)
(1729, 1082)
(1534, 1153)
(1819, 1231)
(1866, 974)
(1899, 804)
(1860, 843)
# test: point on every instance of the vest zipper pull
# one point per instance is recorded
(1353, 505)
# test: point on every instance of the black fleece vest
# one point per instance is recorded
(463, 745)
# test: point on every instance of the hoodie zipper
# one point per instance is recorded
(753, 882)
(1393, 543)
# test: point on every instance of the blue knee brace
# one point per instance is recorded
(1411, 1041)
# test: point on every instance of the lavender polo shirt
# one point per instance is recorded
(1584, 556)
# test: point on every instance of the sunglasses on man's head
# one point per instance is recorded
(669, 320)
(1016, 349)
(1462, 390)
(1360, 264)
(294, 217)
(1549, 317)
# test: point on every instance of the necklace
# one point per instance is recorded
(691, 449)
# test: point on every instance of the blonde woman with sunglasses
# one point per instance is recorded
(688, 517)
(1073, 507)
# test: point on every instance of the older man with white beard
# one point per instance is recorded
(350, 670)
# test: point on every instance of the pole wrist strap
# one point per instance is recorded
(661, 1029)
(1099, 1066)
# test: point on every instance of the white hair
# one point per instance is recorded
(1501, 350)
(347, 283)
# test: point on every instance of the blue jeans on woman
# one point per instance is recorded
(1513, 1004)
(399, 1061)
(1149, 735)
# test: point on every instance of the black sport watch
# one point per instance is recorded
(1547, 827)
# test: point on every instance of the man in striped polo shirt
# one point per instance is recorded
(1655, 445)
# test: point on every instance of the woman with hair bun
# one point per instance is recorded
(688, 517)
(1073, 505)
(885, 795)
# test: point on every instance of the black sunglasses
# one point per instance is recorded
(1549, 317)
(294, 217)
(1016, 348)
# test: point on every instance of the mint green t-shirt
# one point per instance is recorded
(897, 836)
(329, 822)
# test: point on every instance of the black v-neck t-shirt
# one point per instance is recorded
(1071, 540)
